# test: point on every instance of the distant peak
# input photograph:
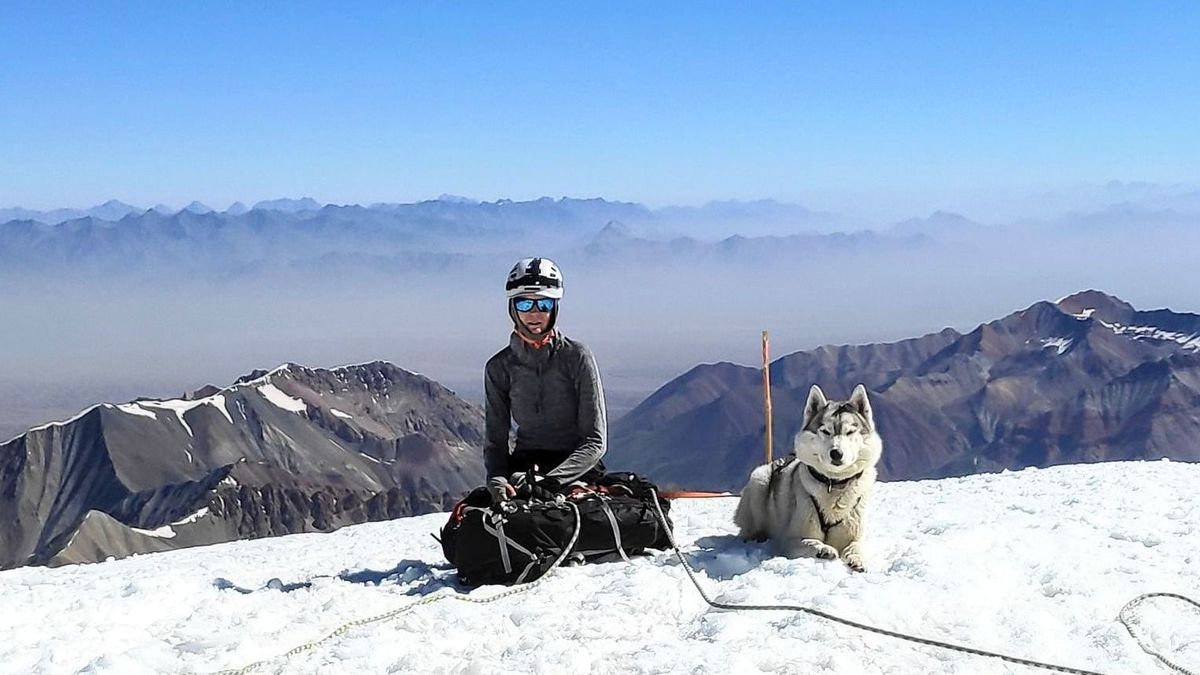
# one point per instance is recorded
(456, 199)
(289, 205)
(203, 392)
(613, 229)
(938, 218)
(197, 207)
(948, 217)
(1085, 304)
(296, 370)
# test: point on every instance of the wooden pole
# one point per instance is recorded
(766, 357)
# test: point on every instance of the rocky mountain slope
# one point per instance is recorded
(1088, 378)
(295, 449)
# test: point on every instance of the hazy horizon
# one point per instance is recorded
(73, 341)
(1060, 133)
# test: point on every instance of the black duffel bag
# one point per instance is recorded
(522, 540)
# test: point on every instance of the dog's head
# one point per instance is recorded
(838, 438)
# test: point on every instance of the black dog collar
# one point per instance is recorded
(831, 483)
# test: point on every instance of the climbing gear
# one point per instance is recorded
(521, 541)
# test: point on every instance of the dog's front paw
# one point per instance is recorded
(820, 549)
(853, 556)
(855, 562)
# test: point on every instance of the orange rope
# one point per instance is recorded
(691, 494)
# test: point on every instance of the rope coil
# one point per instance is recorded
(341, 630)
(1127, 612)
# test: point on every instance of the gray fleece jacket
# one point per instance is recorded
(554, 396)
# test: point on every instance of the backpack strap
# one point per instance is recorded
(616, 530)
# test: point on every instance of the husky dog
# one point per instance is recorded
(813, 503)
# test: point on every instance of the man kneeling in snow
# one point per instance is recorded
(549, 385)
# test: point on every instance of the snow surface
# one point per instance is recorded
(341, 414)
(276, 396)
(1034, 563)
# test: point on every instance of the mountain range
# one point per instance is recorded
(616, 243)
(301, 236)
(1087, 378)
(114, 210)
(295, 449)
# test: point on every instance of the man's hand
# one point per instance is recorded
(538, 487)
(500, 489)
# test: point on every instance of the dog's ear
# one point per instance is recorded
(814, 406)
(858, 401)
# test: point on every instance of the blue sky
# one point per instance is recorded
(654, 102)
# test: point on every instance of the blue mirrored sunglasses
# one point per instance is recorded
(528, 305)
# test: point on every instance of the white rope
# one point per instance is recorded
(1127, 612)
(853, 624)
(341, 630)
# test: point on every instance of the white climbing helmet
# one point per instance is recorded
(538, 277)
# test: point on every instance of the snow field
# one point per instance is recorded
(1034, 563)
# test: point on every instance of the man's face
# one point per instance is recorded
(537, 318)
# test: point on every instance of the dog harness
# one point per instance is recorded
(829, 483)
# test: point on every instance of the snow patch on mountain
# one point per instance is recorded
(168, 531)
(135, 409)
(1060, 343)
(275, 396)
(164, 532)
(1185, 340)
(181, 406)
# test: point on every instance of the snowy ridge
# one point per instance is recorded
(178, 406)
(182, 406)
(283, 368)
(1034, 563)
(135, 409)
(1186, 341)
(47, 425)
(266, 377)
(352, 366)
